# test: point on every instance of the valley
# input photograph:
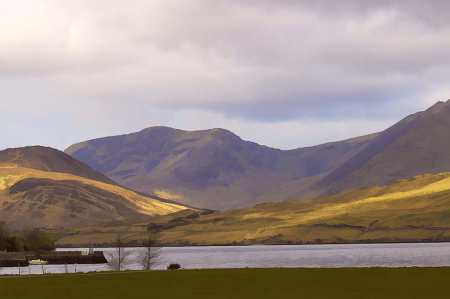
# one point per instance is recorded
(211, 187)
(413, 210)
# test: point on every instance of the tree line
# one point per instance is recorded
(30, 240)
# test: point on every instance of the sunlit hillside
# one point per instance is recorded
(50, 199)
(417, 209)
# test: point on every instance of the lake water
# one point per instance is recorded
(265, 256)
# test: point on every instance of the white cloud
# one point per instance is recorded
(312, 66)
(214, 52)
(432, 95)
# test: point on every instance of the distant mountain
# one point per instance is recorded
(212, 168)
(218, 170)
(44, 187)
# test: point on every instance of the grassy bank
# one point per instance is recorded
(238, 283)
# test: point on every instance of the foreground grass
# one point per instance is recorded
(238, 283)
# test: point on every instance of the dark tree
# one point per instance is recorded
(31, 237)
(36, 240)
(4, 235)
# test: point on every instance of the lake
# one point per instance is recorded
(265, 256)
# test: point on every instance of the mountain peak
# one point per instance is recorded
(439, 107)
(51, 160)
(160, 129)
(223, 135)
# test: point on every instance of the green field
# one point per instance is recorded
(237, 283)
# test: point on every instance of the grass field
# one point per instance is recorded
(238, 283)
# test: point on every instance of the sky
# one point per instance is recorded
(285, 73)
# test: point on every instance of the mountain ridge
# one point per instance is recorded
(197, 165)
(216, 169)
(51, 160)
(415, 145)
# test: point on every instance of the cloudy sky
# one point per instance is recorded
(285, 73)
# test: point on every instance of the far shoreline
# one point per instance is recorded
(256, 244)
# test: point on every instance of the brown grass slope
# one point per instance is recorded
(413, 210)
(212, 168)
(52, 199)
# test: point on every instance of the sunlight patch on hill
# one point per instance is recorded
(8, 180)
(332, 210)
(167, 194)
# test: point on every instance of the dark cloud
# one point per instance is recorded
(380, 104)
(432, 12)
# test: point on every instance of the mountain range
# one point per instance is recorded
(161, 171)
(216, 169)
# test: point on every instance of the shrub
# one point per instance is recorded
(192, 216)
(178, 219)
(173, 267)
(207, 212)
(154, 227)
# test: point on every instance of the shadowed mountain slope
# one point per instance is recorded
(212, 168)
(418, 144)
